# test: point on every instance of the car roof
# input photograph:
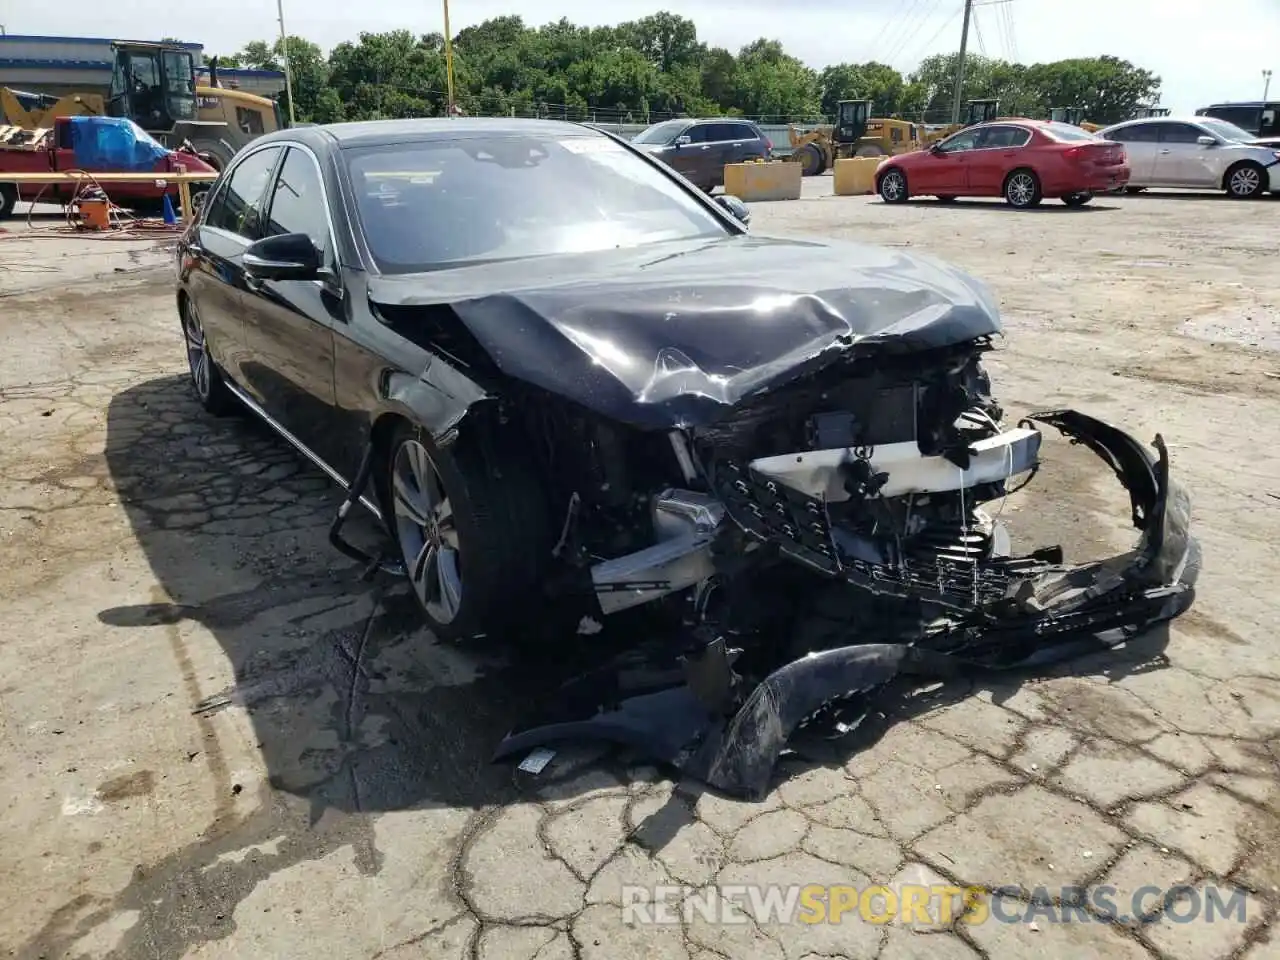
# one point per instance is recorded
(365, 133)
(1142, 121)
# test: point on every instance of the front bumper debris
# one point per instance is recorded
(709, 722)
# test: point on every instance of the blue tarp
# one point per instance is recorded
(113, 143)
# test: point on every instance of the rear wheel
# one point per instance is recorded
(1077, 199)
(1022, 189)
(893, 186)
(214, 152)
(8, 199)
(1245, 181)
(812, 161)
(472, 528)
(206, 379)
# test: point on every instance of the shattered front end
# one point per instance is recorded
(872, 475)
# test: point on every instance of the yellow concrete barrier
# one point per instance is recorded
(855, 176)
(763, 181)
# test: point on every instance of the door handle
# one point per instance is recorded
(1011, 153)
(1164, 151)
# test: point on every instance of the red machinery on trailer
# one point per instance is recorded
(92, 145)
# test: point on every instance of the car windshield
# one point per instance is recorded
(438, 203)
(663, 132)
(1225, 130)
(1067, 132)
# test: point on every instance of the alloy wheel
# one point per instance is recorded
(197, 351)
(1245, 182)
(427, 532)
(892, 186)
(1021, 189)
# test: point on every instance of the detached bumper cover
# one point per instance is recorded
(703, 719)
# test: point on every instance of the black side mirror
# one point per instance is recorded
(289, 256)
(735, 207)
(936, 148)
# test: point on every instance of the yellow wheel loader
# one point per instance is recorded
(976, 111)
(154, 85)
(1073, 116)
(854, 134)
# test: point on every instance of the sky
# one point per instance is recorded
(1201, 55)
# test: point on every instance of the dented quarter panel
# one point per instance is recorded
(676, 334)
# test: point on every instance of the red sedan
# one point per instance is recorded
(1023, 161)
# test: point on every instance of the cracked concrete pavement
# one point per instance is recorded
(218, 741)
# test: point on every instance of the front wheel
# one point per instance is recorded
(472, 528)
(812, 161)
(893, 186)
(1246, 181)
(1022, 189)
(1077, 199)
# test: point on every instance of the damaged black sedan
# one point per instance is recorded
(565, 379)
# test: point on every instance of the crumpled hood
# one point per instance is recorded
(676, 334)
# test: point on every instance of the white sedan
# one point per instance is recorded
(1196, 153)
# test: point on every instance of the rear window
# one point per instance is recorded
(1067, 133)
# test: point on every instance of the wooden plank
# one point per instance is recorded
(77, 177)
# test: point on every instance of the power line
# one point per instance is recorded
(900, 31)
(907, 41)
(937, 33)
(977, 34)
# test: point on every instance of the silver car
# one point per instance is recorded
(1196, 153)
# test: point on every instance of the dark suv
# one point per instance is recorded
(699, 149)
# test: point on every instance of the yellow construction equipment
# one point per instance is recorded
(154, 84)
(976, 111)
(854, 134)
(1073, 116)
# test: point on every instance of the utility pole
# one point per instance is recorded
(1266, 83)
(284, 55)
(448, 57)
(964, 46)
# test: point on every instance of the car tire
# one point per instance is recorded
(1022, 189)
(8, 200)
(893, 186)
(1134, 191)
(811, 160)
(1077, 199)
(1245, 181)
(472, 527)
(207, 381)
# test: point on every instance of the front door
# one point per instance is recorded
(1191, 163)
(289, 323)
(944, 170)
(231, 221)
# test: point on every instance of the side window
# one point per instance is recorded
(249, 121)
(1179, 133)
(297, 201)
(993, 138)
(966, 140)
(698, 133)
(1139, 133)
(724, 132)
(238, 206)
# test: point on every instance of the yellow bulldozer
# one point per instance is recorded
(1073, 116)
(154, 85)
(854, 134)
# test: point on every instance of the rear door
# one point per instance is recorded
(232, 220)
(997, 151)
(1140, 145)
(289, 323)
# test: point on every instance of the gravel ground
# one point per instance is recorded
(218, 742)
